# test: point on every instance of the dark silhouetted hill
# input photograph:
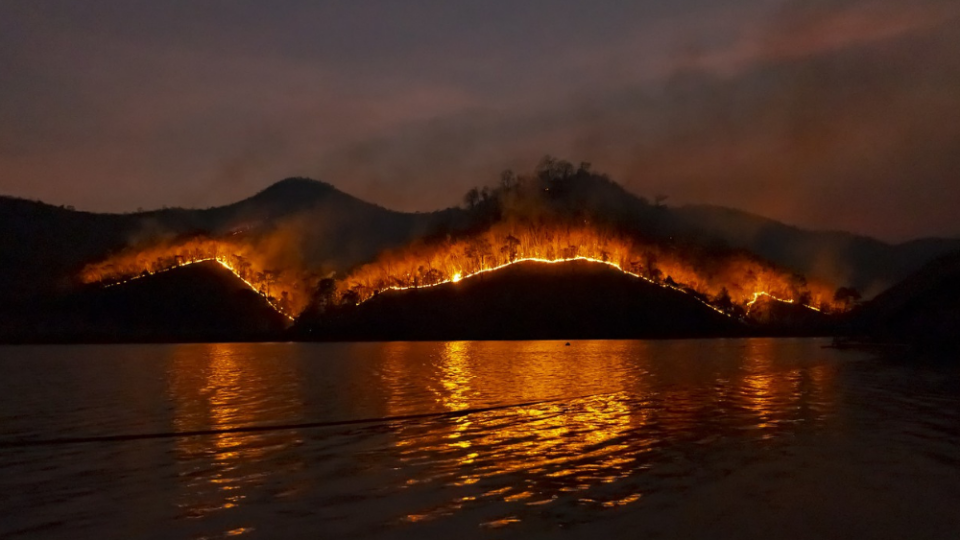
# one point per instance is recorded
(44, 247)
(578, 300)
(923, 310)
(837, 257)
(773, 317)
(200, 302)
(843, 259)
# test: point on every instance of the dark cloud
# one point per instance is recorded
(839, 114)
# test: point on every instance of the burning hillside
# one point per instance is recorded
(286, 289)
(558, 214)
(726, 280)
(527, 300)
(563, 213)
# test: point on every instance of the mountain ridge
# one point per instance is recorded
(49, 244)
(861, 261)
(527, 300)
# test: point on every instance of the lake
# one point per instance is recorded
(752, 438)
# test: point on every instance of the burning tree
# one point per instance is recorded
(726, 278)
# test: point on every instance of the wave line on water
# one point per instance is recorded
(274, 427)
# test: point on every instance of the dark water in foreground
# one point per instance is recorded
(689, 439)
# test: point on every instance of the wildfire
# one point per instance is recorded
(456, 278)
(761, 294)
(225, 264)
(730, 283)
(222, 262)
(722, 282)
(285, 291)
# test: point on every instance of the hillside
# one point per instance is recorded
(772, 317)
(200, 302)
(530, 300)
(923, 309)
(840, 257)
(312, 230)
(45, 246)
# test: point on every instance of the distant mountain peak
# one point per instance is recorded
(297, 193)
(297, 185)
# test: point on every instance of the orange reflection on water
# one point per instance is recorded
(760, 382)
(773, 392)
(456, 376)
(550, 446)
(602, 413)
(223, 386)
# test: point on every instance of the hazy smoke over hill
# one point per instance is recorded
(821, 115)
(840, 114)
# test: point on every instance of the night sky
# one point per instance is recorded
(828, 114)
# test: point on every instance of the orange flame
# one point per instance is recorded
(286, 290)
(744, 278)
(720, 280)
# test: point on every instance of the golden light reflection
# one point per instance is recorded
(223, 386)
(760, 382)
(455, 376)
(602, 419)
(780, 393)
(565, 445)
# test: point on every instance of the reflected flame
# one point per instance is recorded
(581, 449)
(215, 387)
(574, 445)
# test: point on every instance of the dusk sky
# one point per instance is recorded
(827, 114)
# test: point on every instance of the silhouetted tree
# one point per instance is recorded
(552, 169)
(284, 302)
(479, 250)
(798, 285)
(650, 267)
(323, 295)
(508, 180)
(242, 265)
(722, 300)
(846, 297)
(270, 277)
(432, 276)
(472, 198)
(511, 247)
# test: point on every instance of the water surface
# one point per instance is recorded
(738, 438)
